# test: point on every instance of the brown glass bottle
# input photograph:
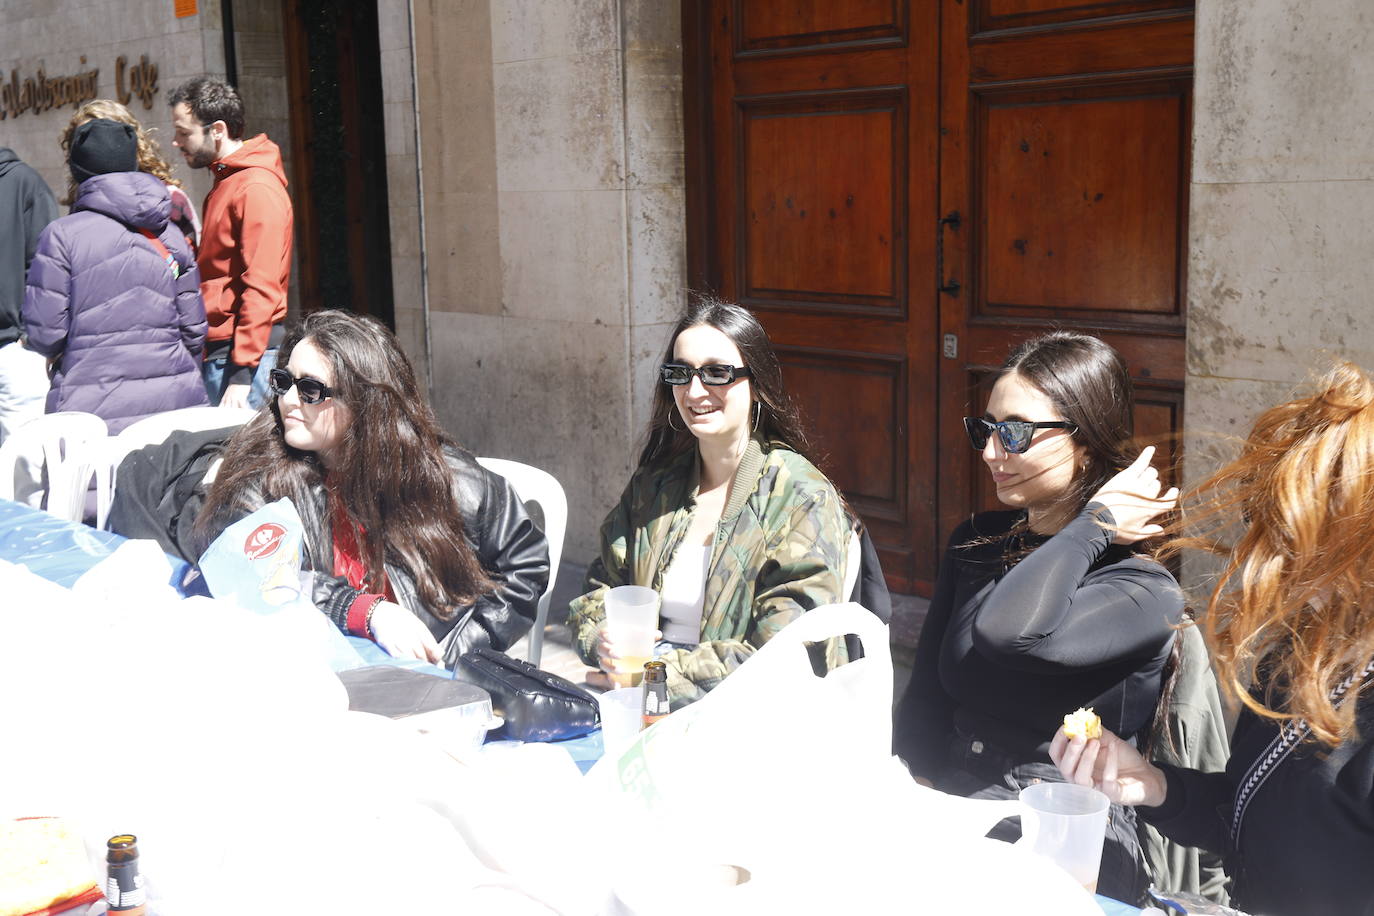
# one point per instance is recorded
(124, 889)
(655, 692)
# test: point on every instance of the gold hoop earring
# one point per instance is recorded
(676, 429)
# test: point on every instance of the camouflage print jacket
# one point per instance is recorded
(779, 550)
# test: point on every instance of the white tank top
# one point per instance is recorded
(683, 594)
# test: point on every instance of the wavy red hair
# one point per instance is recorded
(1293, 608)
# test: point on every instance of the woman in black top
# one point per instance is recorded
(1294, 816)
(1047, 607)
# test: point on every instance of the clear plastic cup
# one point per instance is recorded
(1066, 824)
(631, 621)
(622, 717)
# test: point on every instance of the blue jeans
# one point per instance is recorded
(212, 370)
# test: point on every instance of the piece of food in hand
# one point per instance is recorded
(1083, 722)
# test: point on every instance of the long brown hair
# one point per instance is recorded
(777, 417)
(391, 479)
(1293, 607)
(150, 158)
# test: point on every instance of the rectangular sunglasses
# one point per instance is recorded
(715, 374)
(1016, 435)
(311, 390)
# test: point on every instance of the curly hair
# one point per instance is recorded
(150, 158)
(1293, 607)
(392, 480)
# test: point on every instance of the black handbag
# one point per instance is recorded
(537, 705)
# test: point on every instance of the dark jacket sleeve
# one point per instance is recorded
(513, 551)
(158, 492)
(1049, 615)
(40, 209)
(924, 724)
(1195, 808)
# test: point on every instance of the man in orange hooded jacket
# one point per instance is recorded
(245, 247)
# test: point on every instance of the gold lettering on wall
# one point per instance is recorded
(40, 92)
(142, 81)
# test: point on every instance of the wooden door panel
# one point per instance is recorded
(766, 25)
(827, 139)
(822, 206)
(1065, 147)
(850, 397)
(1104, 48)
(1061, 226)
(1010, 14)
(802, 207)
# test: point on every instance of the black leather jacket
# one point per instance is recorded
(159, 495)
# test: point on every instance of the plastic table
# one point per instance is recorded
(60, 550)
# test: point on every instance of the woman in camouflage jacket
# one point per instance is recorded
(724, 469)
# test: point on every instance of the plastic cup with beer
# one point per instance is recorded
(631, 621)
(1066, 824)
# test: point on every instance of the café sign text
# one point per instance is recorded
(40, 92)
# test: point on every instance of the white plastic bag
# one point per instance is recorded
(788, 779)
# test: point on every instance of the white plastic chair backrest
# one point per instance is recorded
(536, 486)
(62, 439)
(150, 431)
(852, 562)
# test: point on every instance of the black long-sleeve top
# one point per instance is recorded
(1307, 841)
(1004, 653)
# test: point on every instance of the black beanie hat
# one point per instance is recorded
(102, 146)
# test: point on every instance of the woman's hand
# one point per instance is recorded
(613, 662)
(1133, 498)
(1111, 766)
(402, 634)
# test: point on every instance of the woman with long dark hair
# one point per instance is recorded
(725, 517)
(1049, 605)
(1290, 622)
(413, 543)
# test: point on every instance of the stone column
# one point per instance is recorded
(1280, 267)
(551, 162)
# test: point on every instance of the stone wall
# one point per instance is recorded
(403, 180)
(56, 34)
(1280, 272)
(552, 183)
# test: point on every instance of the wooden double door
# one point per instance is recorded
(902, 190)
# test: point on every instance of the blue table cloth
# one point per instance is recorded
(60, 550)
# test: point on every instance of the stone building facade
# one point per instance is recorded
(535, 186)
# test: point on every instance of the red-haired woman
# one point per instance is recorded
(1290, 624)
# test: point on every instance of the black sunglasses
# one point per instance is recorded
(714, 374)
(311, 390)
(1016, 435)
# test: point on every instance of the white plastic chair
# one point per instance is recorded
(535, 486)
(64, 439)
(150, 431)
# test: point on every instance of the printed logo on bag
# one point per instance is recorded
(264, 541)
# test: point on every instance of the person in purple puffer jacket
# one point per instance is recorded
(113, 297)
